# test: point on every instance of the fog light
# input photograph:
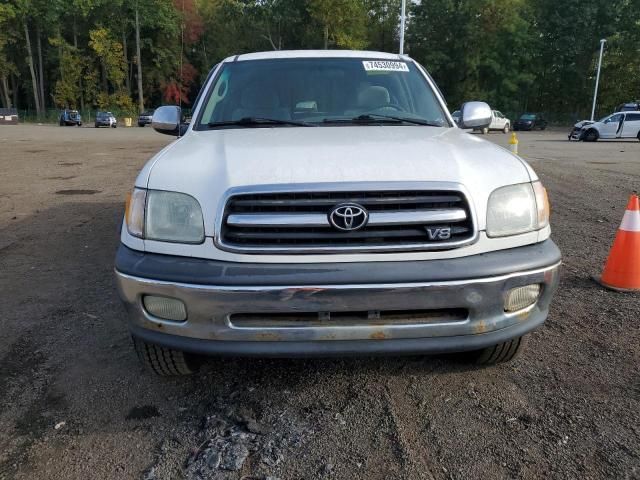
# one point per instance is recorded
(165, 308)
(521, 297)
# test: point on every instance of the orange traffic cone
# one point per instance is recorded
(622, 270)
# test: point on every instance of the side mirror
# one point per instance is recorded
(167, 120)
(475, 115)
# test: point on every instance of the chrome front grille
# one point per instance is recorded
(299, 221)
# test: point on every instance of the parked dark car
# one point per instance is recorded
(530, 121)
(70, 117)
(105, 119)
(145, 118)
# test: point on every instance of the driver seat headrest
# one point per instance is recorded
(373, 96)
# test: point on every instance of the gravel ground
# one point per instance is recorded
(76, 404)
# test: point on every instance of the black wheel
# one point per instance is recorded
(164, 361)
(503, 352)
(61, 123)
(506, 128)
(638, 135)
(591, 135)
(141, 124)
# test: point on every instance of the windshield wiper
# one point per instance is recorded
(377, 117)
(373, 118)
(253, 121)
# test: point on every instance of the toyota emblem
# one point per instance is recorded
(348, 217)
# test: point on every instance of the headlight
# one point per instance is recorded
(517, 209)
(166, 216)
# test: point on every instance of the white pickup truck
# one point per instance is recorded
(498, 122)
(325, 203)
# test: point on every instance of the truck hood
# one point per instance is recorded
(206, 164)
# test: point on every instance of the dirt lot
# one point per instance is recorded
(75, 403)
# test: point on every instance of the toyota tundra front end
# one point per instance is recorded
(325, 203)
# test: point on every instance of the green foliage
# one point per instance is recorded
(68, 87)
(382, 26)
(342, 22)
(537, 55)
(7, 16)
(109, 52)
(476, 51)
(528, 55)
(119, 101)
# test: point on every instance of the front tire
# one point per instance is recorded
(591, 135)
(506, 128)
(162, 361)
(500, 353)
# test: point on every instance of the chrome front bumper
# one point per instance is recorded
(210, 326)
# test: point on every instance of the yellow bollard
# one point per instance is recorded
(513, 143)
(128, 121)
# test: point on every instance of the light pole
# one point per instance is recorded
(595, 93)
(402, 21)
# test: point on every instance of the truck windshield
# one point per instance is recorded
(319, 91)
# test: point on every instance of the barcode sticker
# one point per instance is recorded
(384, 66)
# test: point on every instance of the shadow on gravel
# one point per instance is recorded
(295, 371)
(55, 280)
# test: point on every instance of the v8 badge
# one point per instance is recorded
(438, 233)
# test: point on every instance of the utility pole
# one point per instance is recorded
(403, 15)
(595, 93)
(139, 62)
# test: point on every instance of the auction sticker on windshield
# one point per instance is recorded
(384, 66)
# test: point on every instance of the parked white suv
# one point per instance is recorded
(616, 125)
(498, 122)
(324, 203)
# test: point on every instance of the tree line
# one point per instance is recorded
(128, 55)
